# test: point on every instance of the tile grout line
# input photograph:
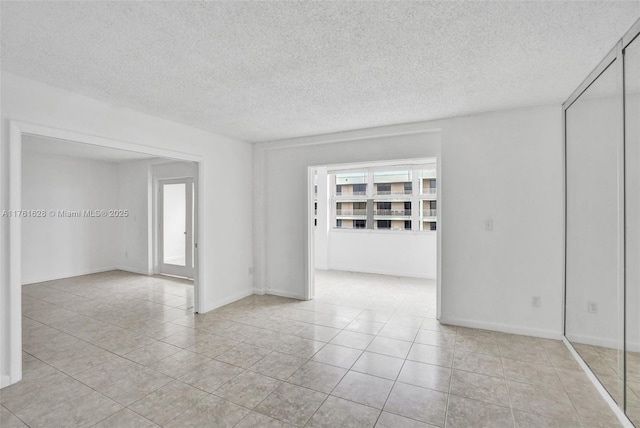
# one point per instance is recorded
(272, 311)
(513, 417)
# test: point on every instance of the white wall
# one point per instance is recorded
(57, 247)
(225, 251)
(399, 253)
(505, 166)
(134, 194)
(135, 253)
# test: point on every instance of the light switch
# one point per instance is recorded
(488, 225)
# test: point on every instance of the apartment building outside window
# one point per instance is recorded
(391, 198)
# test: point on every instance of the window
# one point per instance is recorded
(383, 224)
(360, 189)
(315, 218)
(395, 197)
(339, 223)
(383, 188)
(393, 182)
(383, 208)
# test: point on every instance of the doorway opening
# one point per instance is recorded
(97, 231)
(373, 235)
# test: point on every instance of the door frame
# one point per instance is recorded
(17, 129)
(160, 267)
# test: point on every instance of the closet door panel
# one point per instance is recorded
(594, 320)
(632, 227)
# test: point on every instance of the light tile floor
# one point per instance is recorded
(124, 350)
(607, 364)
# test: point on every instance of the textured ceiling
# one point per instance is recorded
(271, 70)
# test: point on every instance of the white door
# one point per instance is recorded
(175, 227)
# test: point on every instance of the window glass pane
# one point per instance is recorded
(397, 182)
(393, 208)
(396, 194)
(174, 224)
(351, 209)
(351, 214)
(383, 224)
(428, 193)
(428, 180)
(359, 224)
(351, 183)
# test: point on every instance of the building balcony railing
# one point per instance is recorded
(394, 192)
(356, 211)
(356, 193)
(429, 213)
(429, 190)
(391, 213)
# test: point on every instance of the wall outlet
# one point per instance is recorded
(536, 302)
(592, 307)
(488, 225)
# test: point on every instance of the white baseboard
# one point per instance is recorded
(258, 291)
(605, 342)
(283, 293)
(381, 272)
(603, 392)
(134, 270)
(504, 328)
(226, 301)
(69, 275)
(584, 339)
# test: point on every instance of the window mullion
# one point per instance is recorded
(415, 198)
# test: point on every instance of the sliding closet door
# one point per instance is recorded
(594, 246)
(632, 221)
